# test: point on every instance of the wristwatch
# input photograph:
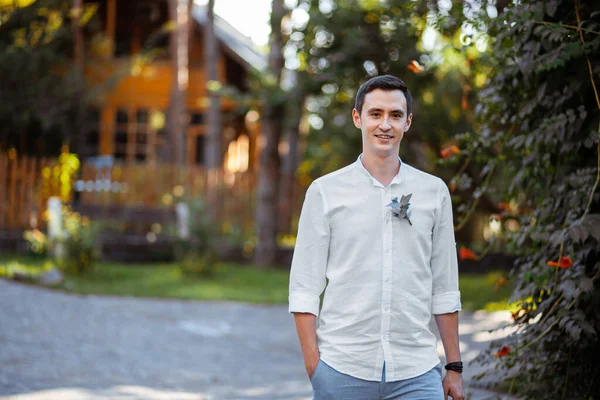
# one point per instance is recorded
(455, 366)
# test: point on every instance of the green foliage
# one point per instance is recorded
(42, 95)
(23, 272)
(343, 46)
(197, 253)
(79, 241)
(539, 122)
(482, 292)
(75, 250)
(58, 179)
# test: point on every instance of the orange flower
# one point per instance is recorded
(466, 254)
(464, 104)
(449, 152)
(415, 67)
(502, 352)
(564, 262)
(504, 206)
(501, 282)
(515, 314)
(452, 186)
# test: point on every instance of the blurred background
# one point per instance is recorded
(162, 149)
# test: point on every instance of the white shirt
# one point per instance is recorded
(383, 278)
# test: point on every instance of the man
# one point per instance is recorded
(378, 237)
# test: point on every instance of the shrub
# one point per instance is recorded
(196, 254)
(75, 250)
(539, 125)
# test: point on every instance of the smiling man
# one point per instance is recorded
(377, 238)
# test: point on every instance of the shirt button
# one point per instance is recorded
(387, 279)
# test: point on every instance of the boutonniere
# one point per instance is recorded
(400, 210)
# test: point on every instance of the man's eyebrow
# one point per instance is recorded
(374, 109)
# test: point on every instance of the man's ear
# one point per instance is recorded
(356, 118)
(408, 122)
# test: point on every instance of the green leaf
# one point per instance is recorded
(582, 229)
(586, 284)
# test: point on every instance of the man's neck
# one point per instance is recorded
(383, 169)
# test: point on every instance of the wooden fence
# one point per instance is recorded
(20, 178)
(161, 185)
(23, 190)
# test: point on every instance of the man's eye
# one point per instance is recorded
(397, 115)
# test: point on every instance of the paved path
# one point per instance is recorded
(59, 346)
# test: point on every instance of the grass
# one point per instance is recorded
(232, 282)
(481, 292)
(164, 280)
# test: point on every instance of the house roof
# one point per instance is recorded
(238, 45)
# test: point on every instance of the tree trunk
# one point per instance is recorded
(268, 178)
(212, 145)
(288, 195)
(212, 150)
(174, 151)
(76, 139)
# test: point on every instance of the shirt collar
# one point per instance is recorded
(397, 179)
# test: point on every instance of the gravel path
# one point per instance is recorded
(59, 346)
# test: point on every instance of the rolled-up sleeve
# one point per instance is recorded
(309, 263)
(444, 262)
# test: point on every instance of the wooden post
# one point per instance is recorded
(22, 176)
(179, 11)
(111, 25)
(55, 226)
(77, 34)
(212, 143)
(3, 186)
(31, 178)
(76, 142)
(12, 191)
(107, 121)
(183, 220)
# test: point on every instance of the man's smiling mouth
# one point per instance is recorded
(384, 136)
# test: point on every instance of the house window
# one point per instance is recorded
(91, 142)
(196, 119)
(121, 139)
(135, 138)
(142, 130)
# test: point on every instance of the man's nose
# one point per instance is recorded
(385, 124)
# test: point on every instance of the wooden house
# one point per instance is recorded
(130, 118)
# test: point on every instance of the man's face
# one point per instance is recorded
(383, 121)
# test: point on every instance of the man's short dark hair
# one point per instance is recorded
(383, 82)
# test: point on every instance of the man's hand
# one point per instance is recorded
(453, 386)
(310, 365)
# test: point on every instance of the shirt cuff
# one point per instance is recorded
(303, 302)
(445, 303)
